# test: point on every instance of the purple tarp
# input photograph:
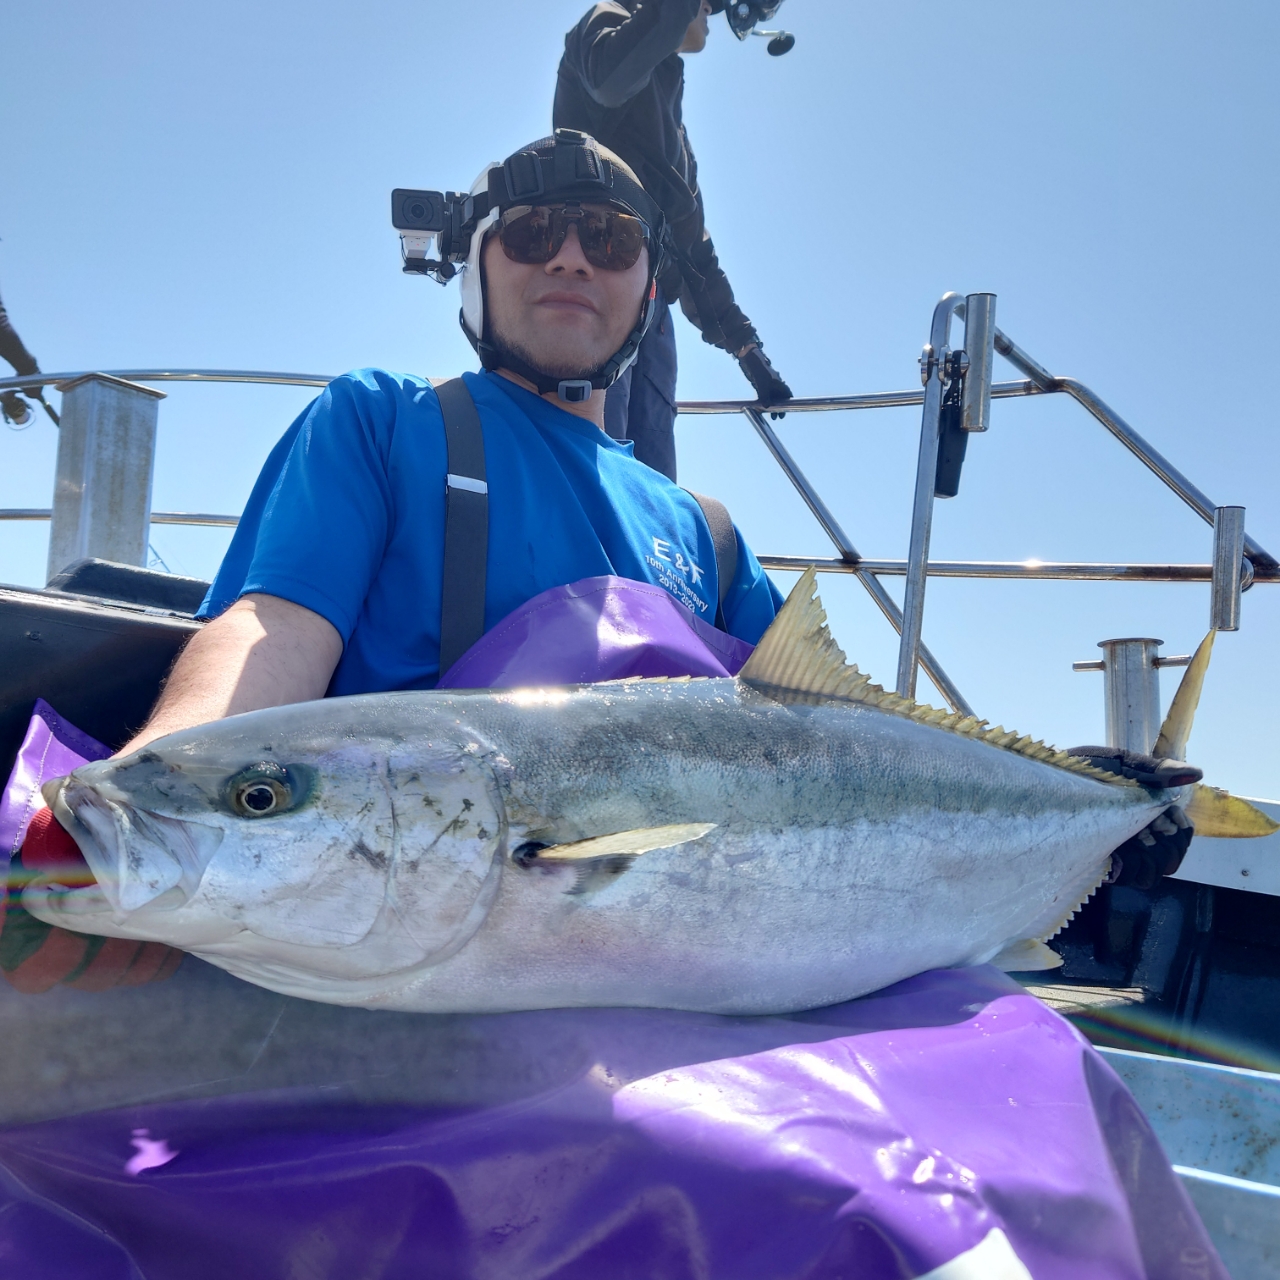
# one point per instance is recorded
(51, 749)
(950, 1122)
(592, 630)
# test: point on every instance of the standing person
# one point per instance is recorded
(24, 364)
(621, 80)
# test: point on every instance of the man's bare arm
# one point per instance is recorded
(263, 652)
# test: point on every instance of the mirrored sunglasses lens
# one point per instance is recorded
(611, 240)
(529, 237)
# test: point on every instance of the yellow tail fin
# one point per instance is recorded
(1214, 812)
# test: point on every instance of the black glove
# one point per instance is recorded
(14, 410)
(768, 384)
(1157, 850)
(1150, 771)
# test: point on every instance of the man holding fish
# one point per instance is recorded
(797, 794)
(333, 582)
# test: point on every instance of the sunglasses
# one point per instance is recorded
(610, 239)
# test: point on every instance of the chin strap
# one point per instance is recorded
(570, 390)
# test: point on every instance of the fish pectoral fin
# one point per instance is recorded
(1214, 812)
(1027, 956)
(1176, 729)
(625, 844)
(600, 860)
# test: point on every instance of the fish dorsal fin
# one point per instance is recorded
(798, 655)
(1172, 742)
(1214, 812)
(797, 660)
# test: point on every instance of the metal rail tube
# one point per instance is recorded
(889, 607)
(157, 517)
(1128, 437)
(821, 512)
(1228, 555)
(1162, 467)
(1015, 355)
(813, 404)
(173, 375)
(832, 404)
(1014, 570)
(1020, 570)
(849, 554)
(922, 508)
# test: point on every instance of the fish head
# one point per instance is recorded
(286, 839)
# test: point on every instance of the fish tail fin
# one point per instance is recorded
(1172, 742)
(1214, 812)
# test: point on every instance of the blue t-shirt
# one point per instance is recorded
(347, 519)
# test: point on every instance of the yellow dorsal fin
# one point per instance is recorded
(1214, 812)
(1172, 742)
(797, 660)
(798, 655)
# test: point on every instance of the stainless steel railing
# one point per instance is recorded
(939, 367)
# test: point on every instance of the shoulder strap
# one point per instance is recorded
(725, 541)
(466, 524)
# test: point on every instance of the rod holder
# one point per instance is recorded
(1228, 568)
(934, 374)
(1131, 688)
(102, 482)
(979, 346)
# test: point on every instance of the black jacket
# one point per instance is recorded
(621, 81)
(11, 348)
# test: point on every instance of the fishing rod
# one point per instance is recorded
(745, 15)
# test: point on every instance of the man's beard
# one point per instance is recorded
(508, 349)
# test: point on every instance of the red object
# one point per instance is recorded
(118, 962)
(49, 848)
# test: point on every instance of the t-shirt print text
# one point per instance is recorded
(676, 574)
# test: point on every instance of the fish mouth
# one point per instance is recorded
(136, 856)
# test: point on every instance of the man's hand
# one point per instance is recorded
(1158, 849)
(35, 956)
(768, 383)
(14, 409)
(1150, 771)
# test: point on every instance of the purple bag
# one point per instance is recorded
(950, 1126)
(51, 749)
(592, 630)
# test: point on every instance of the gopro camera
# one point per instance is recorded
(447, 217)
(417, 210)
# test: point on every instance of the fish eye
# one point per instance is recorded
(265, 789)
(261, 797)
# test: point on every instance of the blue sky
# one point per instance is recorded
(208, 186)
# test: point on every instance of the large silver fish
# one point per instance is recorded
(788, 839)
